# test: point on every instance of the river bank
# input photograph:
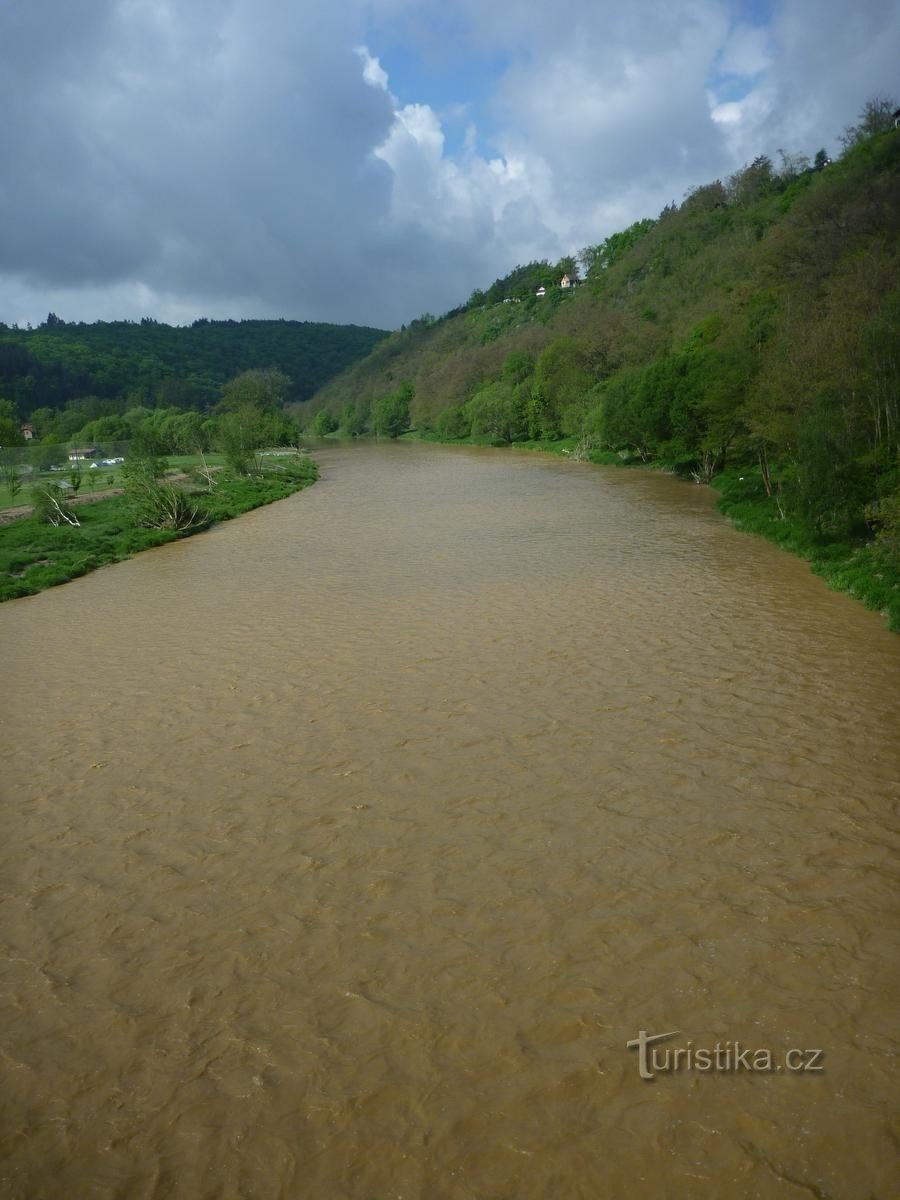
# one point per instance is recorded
(35, 556)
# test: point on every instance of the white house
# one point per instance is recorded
(542, 291)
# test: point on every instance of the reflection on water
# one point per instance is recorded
(346, 845)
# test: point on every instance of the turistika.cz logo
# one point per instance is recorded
(724, 1057)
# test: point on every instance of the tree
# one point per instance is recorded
(561, 384)
(454, 422)
(792, 166)
(353, 420)
(499, 410)
(390, 415)
(518, 365)
(12, 477)
(155, 504)
(324, 422)
(240, 435)
(876, 116)
(266, 390)
(51, 506)
(10, 429)
(753, 182)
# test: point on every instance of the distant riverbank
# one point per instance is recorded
(35, 556)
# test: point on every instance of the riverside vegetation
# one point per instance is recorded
(62, 539)
(748, 337)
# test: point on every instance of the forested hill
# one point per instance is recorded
(755, 328)
(151, 364)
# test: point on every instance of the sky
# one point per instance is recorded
(368, 161)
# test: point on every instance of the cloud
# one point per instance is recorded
(377, 159)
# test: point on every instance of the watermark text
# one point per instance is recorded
(655, 1058)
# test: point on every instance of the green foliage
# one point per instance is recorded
(325, 422)
(353, 420)
(559, 394)
(877, 116)
(600, 258)
(11, 473)
(264, 390)
(498, 409)
(119, 365)
(390, 416)
(35, 555)
(152, 503)
(10, 430)
(454, 422)
(50, 506)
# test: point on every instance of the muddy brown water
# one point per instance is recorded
(345, 846)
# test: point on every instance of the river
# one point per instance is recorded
(346, 845)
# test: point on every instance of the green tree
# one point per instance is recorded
(76, 476)
(155, 504)
(240, 435)
(12, 475)
(266, 390)
(10, 429)
(51, 505)
(390, 416)
(324, 422)
(498, 409)
(454, 422)
(353, 420)
(876, 116)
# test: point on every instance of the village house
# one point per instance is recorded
(542, 291)
(28, 432)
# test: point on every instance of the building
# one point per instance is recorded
(542, 291)
(82, 454)
(28, 432)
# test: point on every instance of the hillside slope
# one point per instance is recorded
(151, 363)
(749, 337)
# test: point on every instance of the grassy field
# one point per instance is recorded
(94, 480)
(35, 556)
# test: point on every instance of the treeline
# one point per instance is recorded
(249, 414)
(147, 364)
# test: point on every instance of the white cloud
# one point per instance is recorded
(373, 72)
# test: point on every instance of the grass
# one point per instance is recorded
(97, 480)
(35, 556)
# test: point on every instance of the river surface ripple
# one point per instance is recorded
(345, 846)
